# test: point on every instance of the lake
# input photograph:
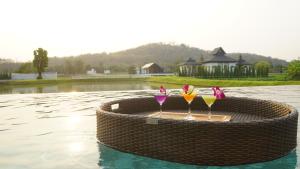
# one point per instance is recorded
(76, 87)
(58, 130)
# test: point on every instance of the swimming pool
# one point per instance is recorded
(58, 130)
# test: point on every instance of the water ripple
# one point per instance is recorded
(59, 129)
(42, 134)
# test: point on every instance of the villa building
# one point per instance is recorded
(150, 68)
(218, 59)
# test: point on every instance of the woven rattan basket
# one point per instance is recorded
(258, 131)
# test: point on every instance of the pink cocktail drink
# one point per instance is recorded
(160, 98)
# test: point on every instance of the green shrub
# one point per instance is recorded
(293, 69)
(5, 76)
(262, 68)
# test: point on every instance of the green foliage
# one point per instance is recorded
(175, 80)
(278, 69)
(68, 67)
(100, 68)
(131, 70)
(73, 65)
(5, 75)
(88, 67)
(9, 66)
(40, 61)
(293, 69)
(26, 68)
(79, 66)
(262, 68)
(118, 68)
(220, 72)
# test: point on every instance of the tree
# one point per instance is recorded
(26, 68)
(5, 75)
(40, 61)
(262, 68)
(131, 70)
(88, 67)
(79, 66)
(238, 67)
(68, 67)
(293, 69)
(100, 67)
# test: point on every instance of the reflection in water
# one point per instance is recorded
(73, 121)
(76, 147)
(76, 87)
(58, 130)
(113, 159)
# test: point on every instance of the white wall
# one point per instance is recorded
(144, 71)
(211, 65)
(91, 72)
(32, 76)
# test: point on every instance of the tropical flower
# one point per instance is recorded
(219, 93)
(185, 88)
(162, 90)
(188, 89)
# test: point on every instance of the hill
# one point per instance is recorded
(7, 65)
(166, 55)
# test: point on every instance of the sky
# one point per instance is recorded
(74, 27)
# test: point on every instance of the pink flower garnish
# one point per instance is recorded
(219, 93)
(185, 88)
(188, 89)
(162, 90)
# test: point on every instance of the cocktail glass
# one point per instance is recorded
(209, 100)
(189, 99)
(160, 98)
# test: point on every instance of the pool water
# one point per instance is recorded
(58, 131)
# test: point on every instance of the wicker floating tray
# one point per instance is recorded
(197, 117)
(258, 130)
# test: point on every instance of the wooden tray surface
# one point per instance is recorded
(182, 116)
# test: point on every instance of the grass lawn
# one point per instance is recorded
(270, 81)
(173, 81)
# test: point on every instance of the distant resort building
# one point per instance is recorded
(91, 72)
(151, 68)
(107, 71)
(189, 67)
(219, 60)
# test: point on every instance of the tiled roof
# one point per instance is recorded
(219, 56)
(147, 65)
(190, 61)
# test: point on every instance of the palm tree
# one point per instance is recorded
(40, 61)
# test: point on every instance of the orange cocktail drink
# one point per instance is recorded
(189, 97)
(189, 94)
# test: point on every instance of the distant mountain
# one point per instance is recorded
(166, 55)
(7, 65)
(5, 60)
